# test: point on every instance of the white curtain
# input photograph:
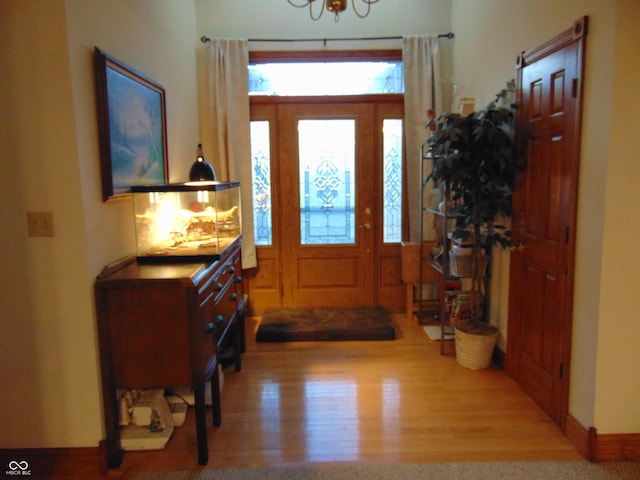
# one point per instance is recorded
(422, 91)
(226, 135)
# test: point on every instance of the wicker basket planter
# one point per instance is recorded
(474, 350)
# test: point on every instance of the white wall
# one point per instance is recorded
(278, 19)
(49, 145)
(489, 36)
(46, 301)
(617, 380)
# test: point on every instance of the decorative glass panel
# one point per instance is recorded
(261, 177)
(392, 181)
(327, 183)
(329, 78)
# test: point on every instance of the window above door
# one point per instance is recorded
(317, 78)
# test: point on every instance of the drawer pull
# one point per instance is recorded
(210, 327)
(220, 318)
(238, 279)
(233, 296)
(232, 270)
(219, 286)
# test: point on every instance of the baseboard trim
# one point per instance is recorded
(45, 462)
(579, 436)
(618, 447)
(597, 447)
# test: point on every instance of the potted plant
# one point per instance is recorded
(476, 166)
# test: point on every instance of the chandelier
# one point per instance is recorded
(335, 6)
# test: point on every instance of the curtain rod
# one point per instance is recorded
(205, 39)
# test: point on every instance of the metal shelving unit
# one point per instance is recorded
(441, 263)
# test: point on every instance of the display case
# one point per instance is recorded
(186, 221)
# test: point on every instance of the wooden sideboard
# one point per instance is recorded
(160, 325)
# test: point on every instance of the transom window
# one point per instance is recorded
(326, 78)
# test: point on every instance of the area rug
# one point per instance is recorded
(434, 332)
(326, 323)
(563, 470)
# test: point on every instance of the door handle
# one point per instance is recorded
(519, 247)
(366, 225)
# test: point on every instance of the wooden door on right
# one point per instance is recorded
(544, 217)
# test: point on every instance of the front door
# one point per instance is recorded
(328, 215)
(541, 279)
(328, 193)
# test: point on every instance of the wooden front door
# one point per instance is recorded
(332, 236)
(328, 222)
(541, 278)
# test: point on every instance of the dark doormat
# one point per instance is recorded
(326, 323)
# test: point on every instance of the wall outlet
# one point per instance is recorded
(40, 224)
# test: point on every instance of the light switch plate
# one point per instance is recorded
(40, 224)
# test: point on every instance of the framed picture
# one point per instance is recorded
(132, 127)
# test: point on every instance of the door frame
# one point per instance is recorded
(264, 282)
(576, 34)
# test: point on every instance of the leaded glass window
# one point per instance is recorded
(392, 180)
(261, 181)
(327, 183)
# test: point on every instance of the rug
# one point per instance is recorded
(326, 323)
(561, 470)
(434, 332)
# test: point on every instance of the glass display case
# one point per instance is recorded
(186, 221)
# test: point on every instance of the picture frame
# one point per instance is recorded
(132, 127)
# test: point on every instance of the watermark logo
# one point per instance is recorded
(18, 467)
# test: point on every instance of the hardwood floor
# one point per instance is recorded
(385, 401)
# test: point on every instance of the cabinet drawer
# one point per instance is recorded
(225, 310)
(237, 270)
(226, 272)
(209, 284)
(206, 335)
(216, 281)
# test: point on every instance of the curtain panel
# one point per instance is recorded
(226, 134)
(422, 91)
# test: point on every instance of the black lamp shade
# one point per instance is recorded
(201, 171)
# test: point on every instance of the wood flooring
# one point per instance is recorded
(396, 401)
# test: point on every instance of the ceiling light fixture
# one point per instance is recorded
(335, 6)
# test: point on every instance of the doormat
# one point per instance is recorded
(325, 323)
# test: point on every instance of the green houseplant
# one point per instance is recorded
(476, 166)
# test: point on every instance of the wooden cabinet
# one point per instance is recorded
(160, 325)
